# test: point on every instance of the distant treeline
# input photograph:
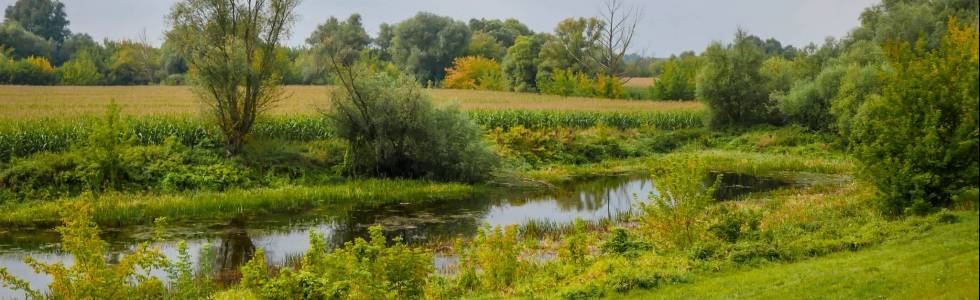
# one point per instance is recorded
(37, 48)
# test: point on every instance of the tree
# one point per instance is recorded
(571, 46)
(918, 141)
(616, 35)
(520, 65)
(80, 70)
(231, 49)
(341, 40)
(382, 43)
(134, 63)
(72, 45)
(44, 18)
(426, 44)
(24, 43)
(475, 73)
(505, 32)
(731, 84)
(485, 45)
(394, 130)
(677, 80)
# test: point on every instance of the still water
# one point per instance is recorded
(285, 237)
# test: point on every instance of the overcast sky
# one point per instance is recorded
(668, 26)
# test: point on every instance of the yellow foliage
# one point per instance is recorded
(475, 73)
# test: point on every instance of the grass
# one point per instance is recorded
(31, 102)
(941, 263)
(118, 210)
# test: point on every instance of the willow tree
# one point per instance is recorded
(230, 46)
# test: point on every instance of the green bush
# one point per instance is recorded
(394, 131)
(80, 70)
(732, 85)
(362, 269)
(918, 142)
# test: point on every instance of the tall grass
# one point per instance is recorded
(128, 209)
(20, 138)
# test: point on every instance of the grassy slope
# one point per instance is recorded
(940, 264)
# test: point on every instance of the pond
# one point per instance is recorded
(284, 238)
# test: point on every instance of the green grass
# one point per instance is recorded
(941, 263)
(118, 210)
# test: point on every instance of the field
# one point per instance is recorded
(938, 265)
(20, 102)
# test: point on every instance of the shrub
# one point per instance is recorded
(362, 269)
(570, 83)
(92, 276)
(80, 70)
(808, 102)
(678, 80)
(394, 131)
(31, 70)
(496, 254)
(918, 142)
(475, 73)
(731, 84)
(677, 215)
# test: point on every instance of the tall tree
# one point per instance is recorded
(343, 40)
(231, 47)
(572, 46)
(520, 65)
(616, 36)
(44, 18)
(426, 44)
(731, 84)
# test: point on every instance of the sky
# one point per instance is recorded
(668, 26)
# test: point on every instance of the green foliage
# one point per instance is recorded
(134, 63)
(22, 43)
(474, 73)
(359, 270)
(536, 147)
(105, 148)
(678, 80)
(676, 217)
(240, 87)
(520, 65)
(505, 32)
(91, 276)
(485, 45)
(808, 102)
(621, 242)
(45, 18)
(573, 40)
(732, 85)
(426, 44)
(568, 83)
(394, 131)
(575, 251)
(491, 261)
(918, 141)
(31, 70)
(80, 70)
(342, 41)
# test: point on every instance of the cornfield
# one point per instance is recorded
(20, 138)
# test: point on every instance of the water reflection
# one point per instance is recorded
(284, 238)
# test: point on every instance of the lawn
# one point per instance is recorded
(18, 102)
(941, 263)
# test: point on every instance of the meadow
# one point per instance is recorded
(29, 102)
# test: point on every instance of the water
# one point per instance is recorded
(284, 238)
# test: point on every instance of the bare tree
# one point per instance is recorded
(599, 44)
(231, 46)
(616, 36)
